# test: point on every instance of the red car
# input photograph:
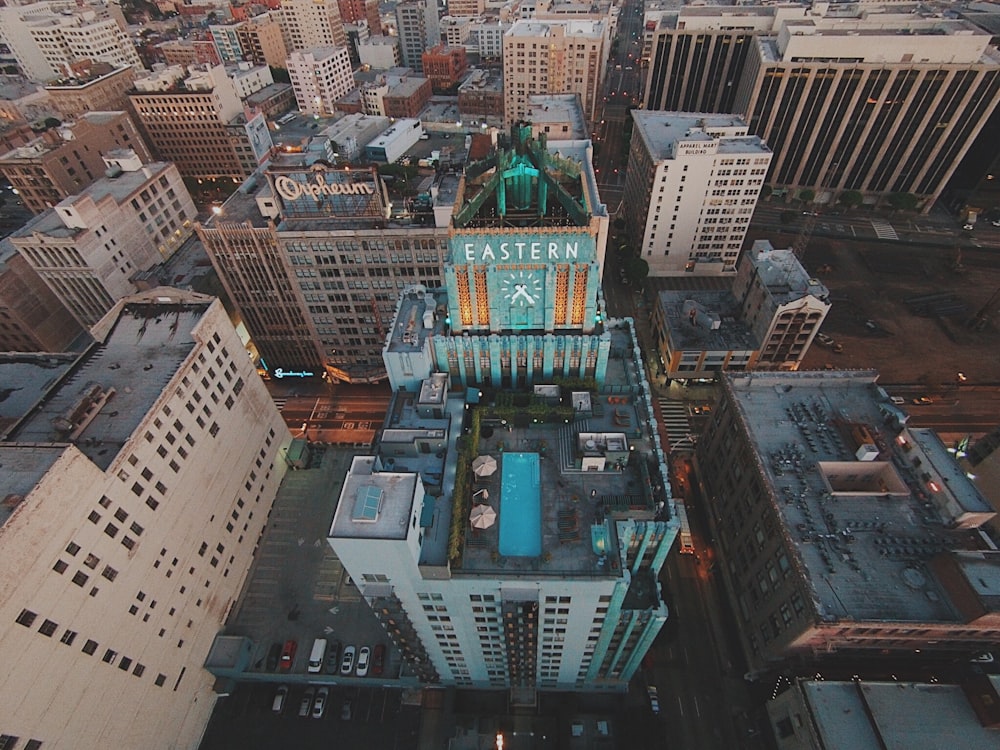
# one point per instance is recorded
(288, 655)
(378, 659)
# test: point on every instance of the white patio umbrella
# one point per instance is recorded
(484, 466)
(482, 517)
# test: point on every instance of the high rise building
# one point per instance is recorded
(333, 251)
(262, 42)
(697, 54)
(194, 118)
(134, 497)
(839, 529)
(380, 52)
(102, 88)
(89, 246)
(692, 183)
(876, 107)
(306, 24)
(563, 595)
(873, 102)
(64, 160)
(320, 77)
(418, 28)
(32, 317)
(553, 57)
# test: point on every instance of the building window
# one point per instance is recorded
(90, 647)
(48, 628)
(80, 578)
(26, 618)
(109, 656)
(68, 637)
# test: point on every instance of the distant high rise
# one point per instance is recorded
(306, 24)
(262, 42)
(419, 29)
(134, 496)
(692, 183)
(466, 8)
(354, 11)
(553, 57)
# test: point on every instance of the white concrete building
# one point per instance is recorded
(89, 247)
(455, 30)
(553, 57)
(44, 38)
(352, 133)
(692, 182)
(488, 35)
(380, 52)
(395, 141)
(248, 78)
(320, 77)
(306, 24)
(135, 493)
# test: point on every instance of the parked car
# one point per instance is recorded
(273, 655)
(378, 659)
(897, 400)
(333, 658)
(364, 661)
(305, 705)
(319, 705)
(278, 704)
(288, 655)
(347, 661)
(922, 401)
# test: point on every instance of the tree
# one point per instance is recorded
(902, 201)
(807, 196)
(851, 198)
(636, 269)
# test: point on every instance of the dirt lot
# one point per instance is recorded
(872, 281)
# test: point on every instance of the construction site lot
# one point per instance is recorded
(918, 314)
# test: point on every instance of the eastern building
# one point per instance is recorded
(194, 118)
(334, 250)
(418, 29)
(320, 77)
(102, 88)
(692, 184)
(32, 317)
(64, 160)
(561, 593)
(134, 498)
(89, 247)
(554, 57)
(306, 24)
(841, 531)
(765, 319)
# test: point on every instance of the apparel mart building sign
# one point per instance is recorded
(324, 193)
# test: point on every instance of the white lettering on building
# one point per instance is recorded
(291, 190)
(520, 252)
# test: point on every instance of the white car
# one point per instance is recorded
(319, 705)
(347, 660)
(364, 658)
(654, 698)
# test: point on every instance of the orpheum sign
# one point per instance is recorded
(323, 192)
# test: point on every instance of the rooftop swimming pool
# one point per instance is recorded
(520, 506)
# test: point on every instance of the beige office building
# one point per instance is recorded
(262, 42)
(135, 492)
(553, 57)
(194, 118)
(90, 246)
(692, 182)
(306, 24)
(103, 89)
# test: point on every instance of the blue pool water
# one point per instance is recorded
(520, 506)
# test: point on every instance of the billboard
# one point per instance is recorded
(323, 192)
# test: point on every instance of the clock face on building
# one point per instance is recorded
(522, 288)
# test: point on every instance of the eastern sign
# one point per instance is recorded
(320, 191)
(528, 248)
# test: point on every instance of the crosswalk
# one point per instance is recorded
(675, 419)
(884, 230)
